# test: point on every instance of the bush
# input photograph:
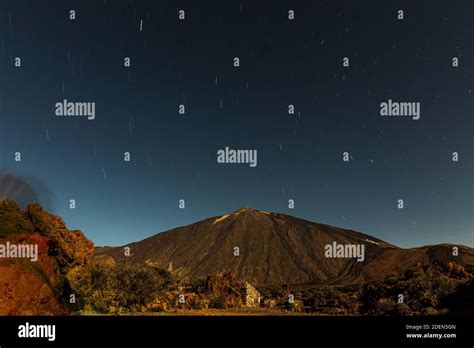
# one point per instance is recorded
(402, 309)
(278, 292)
(371, 293)
(124, 288)
(391, 280)
(218, 302)
(198, 303)
(429, 311)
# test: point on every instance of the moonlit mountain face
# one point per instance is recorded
(270, 248)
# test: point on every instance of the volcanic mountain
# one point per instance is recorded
(275, 249)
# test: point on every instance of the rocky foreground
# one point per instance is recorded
(67, 278)
(64, 257)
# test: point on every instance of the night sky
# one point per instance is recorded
(282, 62)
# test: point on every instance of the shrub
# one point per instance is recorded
(198, 303)
(218, 302)
(124, 288)
(429, 311)
(402, 309)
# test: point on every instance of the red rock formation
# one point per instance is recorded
(30, 288)
(39, 288)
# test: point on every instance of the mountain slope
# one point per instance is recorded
(274, 249)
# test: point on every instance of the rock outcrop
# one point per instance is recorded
(30, 288)
(40, 287)
(13, 220)
(225, 287)
(252, 297)
(71, 249)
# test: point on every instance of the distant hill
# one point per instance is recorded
(275, 249)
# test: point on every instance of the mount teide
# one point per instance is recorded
(275, 249)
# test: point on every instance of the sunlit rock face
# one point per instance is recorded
(39, 284)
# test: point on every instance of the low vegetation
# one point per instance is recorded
(435, 289)
(123, 288)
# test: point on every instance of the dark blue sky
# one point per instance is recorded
(282, 62)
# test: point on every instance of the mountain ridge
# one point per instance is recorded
(275, 248)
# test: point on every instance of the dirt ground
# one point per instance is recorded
(227, 312)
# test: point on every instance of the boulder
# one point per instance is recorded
(251, 295)
(30, 288)
(270, 303)
(225, 287)
(64, 257)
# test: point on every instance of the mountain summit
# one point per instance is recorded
(272, 248)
